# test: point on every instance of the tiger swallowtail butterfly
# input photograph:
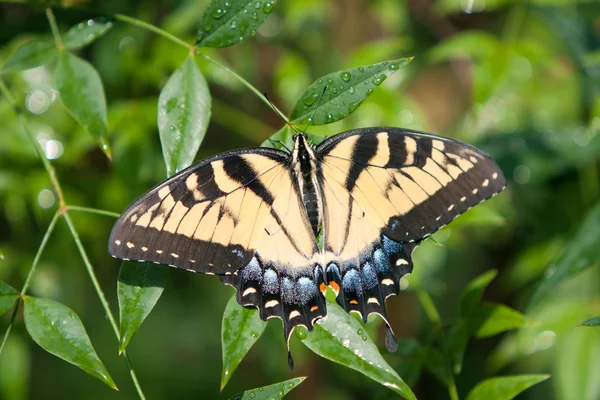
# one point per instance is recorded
(253, 217)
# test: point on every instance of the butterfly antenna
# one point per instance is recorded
(312, 118)
(274, 142)
(280, 114)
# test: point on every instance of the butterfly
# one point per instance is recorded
(281, 227)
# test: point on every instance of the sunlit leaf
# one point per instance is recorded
(346, 90)
(59, 331)
(581, 253)
(30, 55)
(472, 44)
(489, 319)
(240, 330)
(342, 339)
(85, 33)
(225, 22)
(8, 296)
(505, 387)
(472, 293)
(139, 287)
(275, 391)
(591, 322)
(183, 115)
(577, 365)
(82, 94)
(482, 215)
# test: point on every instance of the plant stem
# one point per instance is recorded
(36, 260)
(63, 209)
(96, 211)
(434, 317)
(244, 82)
(152, 28)
(175, 39)
(38, 255)
(54, 28)
(101, 296)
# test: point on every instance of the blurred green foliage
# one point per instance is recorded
(520, 79)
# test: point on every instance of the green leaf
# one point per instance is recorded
(183, 115)
(505, 387)
(471, 44)
(472, 293)
(457, 338)
(59, 331)
(346, 90)
(8, 296)
(275, 391)
(30, 55)
(482, 215)
(342, 339)
(82, 94)
(591, 322)
(139, 287)
(85, 33)
(489, 319)
(240, 330)
(225, 22)
(580, 254)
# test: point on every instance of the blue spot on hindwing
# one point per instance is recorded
(369, 276)
(252, 271)
(306, 290)
(270, 282)
(351, 282)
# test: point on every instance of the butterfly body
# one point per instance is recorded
(254, 217)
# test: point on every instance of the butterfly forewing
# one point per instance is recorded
(410, 184)
(208, 218)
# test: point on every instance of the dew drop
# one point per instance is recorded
(257, 5)
(207, 27)
(353, 106)
(330, 81)
(268, 7)
(233, 25)
(334, 90)
(330, 118)
(394, 66)
(252, 394)
(352, 90)
(361, 69)
(378, 79)
(218, 13)
(369, 92)
(309, 101)
(172, 128)
(255, 16)
(345, 76)
(320, 81)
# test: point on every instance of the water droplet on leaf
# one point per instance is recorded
(345, 76)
